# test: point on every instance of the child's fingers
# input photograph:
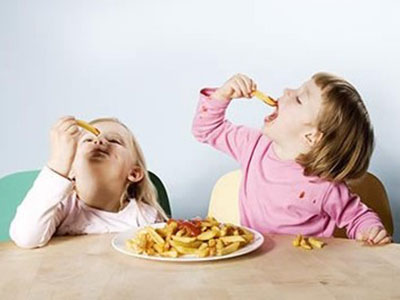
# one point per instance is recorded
(385, 240)
(61, 121)
(67, 124)
(380, 236)
(242, 86)
(237, 91)
(373, 232)
(248, 82)
(64, 119)
(245, 86)
(361, 236)
(73, 129)
(253, 86)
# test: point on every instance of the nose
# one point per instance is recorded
(99, 141)
(287, 92)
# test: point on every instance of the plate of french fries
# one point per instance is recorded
(188, 240)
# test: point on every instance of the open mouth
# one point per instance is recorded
(271, 117)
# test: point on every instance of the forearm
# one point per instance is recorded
(40, 213)
(348, 211)
(365, 219)
(209, 116)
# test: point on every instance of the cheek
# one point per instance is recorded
(285, 127)
(124, 157)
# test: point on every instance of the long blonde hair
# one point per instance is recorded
(144, 190)
(347, 142)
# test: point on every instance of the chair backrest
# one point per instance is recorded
(14, 187)
(161, 193)
(224, 202)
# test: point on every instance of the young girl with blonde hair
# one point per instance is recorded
(294, 169)
(91, 184)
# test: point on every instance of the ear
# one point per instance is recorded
(136, 174)
(311, 138)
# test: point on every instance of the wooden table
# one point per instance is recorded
(87, 267)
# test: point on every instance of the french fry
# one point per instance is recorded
(172, 253)
(88, 127)
(248, 237)
(159, 248)
(203, 252)
(212, 243)
(305, 245)
(195, 244)
(155, 236)
(316, 243)
(163, 232)
(219, 245)
(266, 99)
(203, 246)
(180, 232)
(184, 239)
(212, 251)
(223, 231)
(212, 220)
(207, 235)
(232, 239)
(206, 224)
(182, 249)
(228, 249)
(297, 240)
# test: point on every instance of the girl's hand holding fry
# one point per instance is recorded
(63, 143)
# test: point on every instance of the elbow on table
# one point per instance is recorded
(26, 239)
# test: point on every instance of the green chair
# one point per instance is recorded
(14, 187)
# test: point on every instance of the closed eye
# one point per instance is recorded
(87, 140)
(298, 100)
(114, 141)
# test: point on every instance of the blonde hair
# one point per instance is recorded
(347, 141)
(144, 190)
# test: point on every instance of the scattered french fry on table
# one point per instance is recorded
(307, 243)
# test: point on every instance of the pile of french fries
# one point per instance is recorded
(199, 238)
(307, 243)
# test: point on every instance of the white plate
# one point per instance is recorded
(118, 242)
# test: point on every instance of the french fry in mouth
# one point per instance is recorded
(88, 127)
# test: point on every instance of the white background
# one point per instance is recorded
(145, 61)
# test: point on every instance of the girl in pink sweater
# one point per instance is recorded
(91, 184)
(294, 169)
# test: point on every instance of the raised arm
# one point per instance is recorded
(210, 125)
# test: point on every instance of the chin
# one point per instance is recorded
(268, 131)
(96, 159)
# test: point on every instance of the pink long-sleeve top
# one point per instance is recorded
(275, 196)
(52, 207)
